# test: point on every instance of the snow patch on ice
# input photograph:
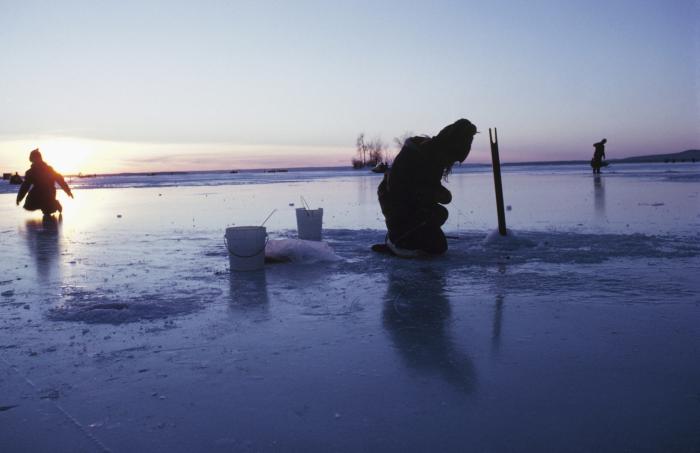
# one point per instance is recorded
(81, 305)
(472, 248)
(510, 241)
(189, 285)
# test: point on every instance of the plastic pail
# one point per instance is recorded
(246, 247)
(309, 223)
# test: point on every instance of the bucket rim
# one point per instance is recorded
(242, 228)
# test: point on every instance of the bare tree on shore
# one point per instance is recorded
(369, 152)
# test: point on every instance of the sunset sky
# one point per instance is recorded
(113, 86)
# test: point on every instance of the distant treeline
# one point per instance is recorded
(691, 155)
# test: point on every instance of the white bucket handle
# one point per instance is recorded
(267, 238)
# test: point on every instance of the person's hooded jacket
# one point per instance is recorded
(413, 184)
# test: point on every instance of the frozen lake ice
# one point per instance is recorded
(121, 327)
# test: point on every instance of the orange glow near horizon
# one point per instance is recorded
(67, 156)
(74, 155)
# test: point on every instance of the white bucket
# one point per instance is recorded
(246, 247)
(309, 223)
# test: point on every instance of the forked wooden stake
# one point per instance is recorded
(497, 181)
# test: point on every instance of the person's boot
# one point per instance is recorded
(403, 253)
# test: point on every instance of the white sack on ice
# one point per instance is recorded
(299, 251)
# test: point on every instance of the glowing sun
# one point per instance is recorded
(66, 156)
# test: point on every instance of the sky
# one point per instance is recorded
(115, 86)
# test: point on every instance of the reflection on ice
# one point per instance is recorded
(43, 237)
(248, 293)
(497, 321)
(416, 316)
(599, 195)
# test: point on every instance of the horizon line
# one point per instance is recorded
(349, 167)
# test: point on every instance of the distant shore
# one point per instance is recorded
(684, 156)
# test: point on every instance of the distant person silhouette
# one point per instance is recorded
(598, 155)
(411, 194)
(40, 181)
(16, 179)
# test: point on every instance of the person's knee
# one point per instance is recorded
(439, 247)
(438, 215)
(434, 241)
(48, 210)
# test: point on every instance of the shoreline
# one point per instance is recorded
(688, 157)
(683, 170)
(367, 169)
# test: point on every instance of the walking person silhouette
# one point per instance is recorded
(598, 155)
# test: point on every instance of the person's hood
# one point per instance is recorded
(456, 139)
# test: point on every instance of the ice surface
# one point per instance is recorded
(579, 331)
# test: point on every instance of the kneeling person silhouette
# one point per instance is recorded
(412, 196)
(40, 182)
